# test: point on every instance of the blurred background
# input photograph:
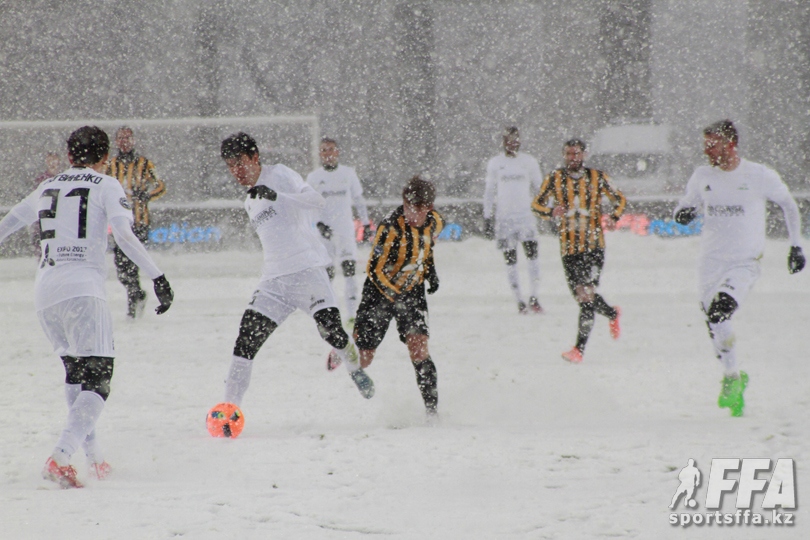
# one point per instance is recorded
(409, 86)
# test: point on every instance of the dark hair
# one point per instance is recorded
(88, 145)
(508, 131)
(419, 192)
(723, 128)
(329, 140)
(576, 142)
(239, 144)
(123, 128)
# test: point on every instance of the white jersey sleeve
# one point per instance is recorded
(290, 186)
(490, 187)
(535, 176)
(358, 201)
(776, 190)
(132, 247)
(290, 242)
(692, 198)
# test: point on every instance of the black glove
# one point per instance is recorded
(433, 279)
(324, 229)
(796, 260)
(262, 192)
(489, 228)
(164, 294)
(684, 216)
(368, 234)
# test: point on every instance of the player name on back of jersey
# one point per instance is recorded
(82, 177)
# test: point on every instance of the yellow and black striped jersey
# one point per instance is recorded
(140, 183)
(581, 227)
(402, 254)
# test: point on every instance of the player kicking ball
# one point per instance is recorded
(279, 204)
(401, 262)
(731, 194)
(74, 210)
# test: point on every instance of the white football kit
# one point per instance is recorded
(511, 184)
(74, 209)
(733, 205)
(341, 189)
(293, 273)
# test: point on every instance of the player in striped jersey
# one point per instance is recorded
(141, 185)
(576, 192)
(401, 262)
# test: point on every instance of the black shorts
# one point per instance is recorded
(376, 311)
(583, 268)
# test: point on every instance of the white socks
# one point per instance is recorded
(514, 282)
(351, 296)
(90, 445)
(238, 380)
(350, 356)
(82, 419)
(723, 339)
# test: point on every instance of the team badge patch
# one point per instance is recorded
(125, 203)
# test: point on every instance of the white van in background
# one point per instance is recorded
(637, 157)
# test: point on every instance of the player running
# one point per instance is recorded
(279, 204)
(512, 179)
(577, 192)
(731, 195)
(340, 187)
(401, 262)
(74, 210)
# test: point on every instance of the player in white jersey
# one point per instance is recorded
(340, 187)
(731, 195)
(74, 210)
(512, 181)
(280, 204)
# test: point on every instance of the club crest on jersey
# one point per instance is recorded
(125, 203)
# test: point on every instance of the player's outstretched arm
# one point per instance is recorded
(9, 225)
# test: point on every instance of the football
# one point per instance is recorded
(225, 420)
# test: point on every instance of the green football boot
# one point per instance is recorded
(731, 394)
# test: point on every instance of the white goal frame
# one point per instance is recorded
(196, 121)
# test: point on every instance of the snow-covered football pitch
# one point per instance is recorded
(527, 446)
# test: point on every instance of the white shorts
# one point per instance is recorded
(340, 248)
(510, 232)
(79, 327)
(735, 279)
(308, 290)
